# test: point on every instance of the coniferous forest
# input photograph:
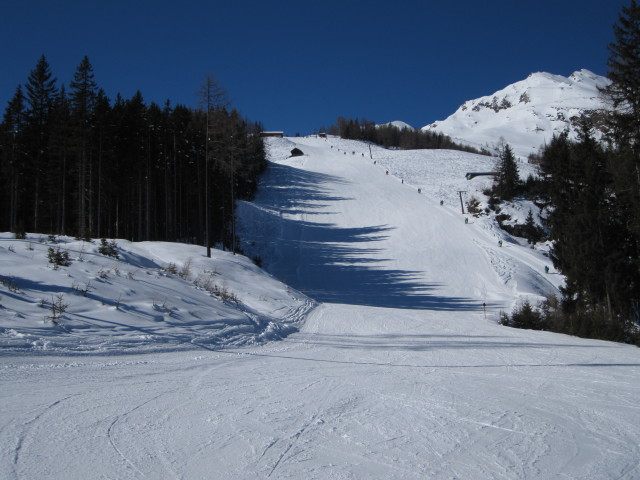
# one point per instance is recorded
(592, 192)
(75, 162)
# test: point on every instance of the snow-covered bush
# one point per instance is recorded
(58, 258)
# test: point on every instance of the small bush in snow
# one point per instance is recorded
(103, 273)
(109, 249)
(473, 206)
(81, 254)
(185, 271)
(13, 286)
(58, 307)
(225, 294)
(205, 282)
(163, 306)
(526, 317)
(171, 269)
(58, 258)
(83, 289)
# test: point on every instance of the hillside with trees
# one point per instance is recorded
(592, 190)
(74, 162)
(390, 136)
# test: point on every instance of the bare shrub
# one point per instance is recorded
(185, 271)
(58, 308)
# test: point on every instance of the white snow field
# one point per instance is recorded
(394, 372)
(526, 114)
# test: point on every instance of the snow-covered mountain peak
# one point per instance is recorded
(526, 114)
(588, 76)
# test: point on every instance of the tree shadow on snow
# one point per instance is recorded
(327, 262)
(297, 191)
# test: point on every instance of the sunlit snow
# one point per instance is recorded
(526, 114)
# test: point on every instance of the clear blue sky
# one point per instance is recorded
(295, 65)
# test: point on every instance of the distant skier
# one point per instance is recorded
(499, 243)
(546, 269)
(387, 172)
(466, 220)
(441, 202)
(419, 190)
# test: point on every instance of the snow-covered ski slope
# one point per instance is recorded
(396, 375)
(347, 228)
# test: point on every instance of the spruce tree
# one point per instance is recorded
(60, 146)
(624, 161)
(12, 157)
(508, 179)
(82, 99)
(624, 73)
(532, 232)
(41, 96)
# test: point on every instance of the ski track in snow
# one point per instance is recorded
(395, 373)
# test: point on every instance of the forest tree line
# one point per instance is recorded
(390, 136)
(73, 162)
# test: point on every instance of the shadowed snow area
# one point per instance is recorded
(386, 366)
(348, 230)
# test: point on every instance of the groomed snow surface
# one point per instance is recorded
(378, 362)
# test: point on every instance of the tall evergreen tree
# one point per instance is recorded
(102, 144)
(41, 96)
(508, 179)
(624, 73)
(624, 92)
(60, 146)
(83, 98)
(591, 246)
(213, 99)
(12, 156)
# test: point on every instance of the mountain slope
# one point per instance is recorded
(527, 113)
(332, 246)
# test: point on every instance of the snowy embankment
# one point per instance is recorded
(154, 296)
(398, 374)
